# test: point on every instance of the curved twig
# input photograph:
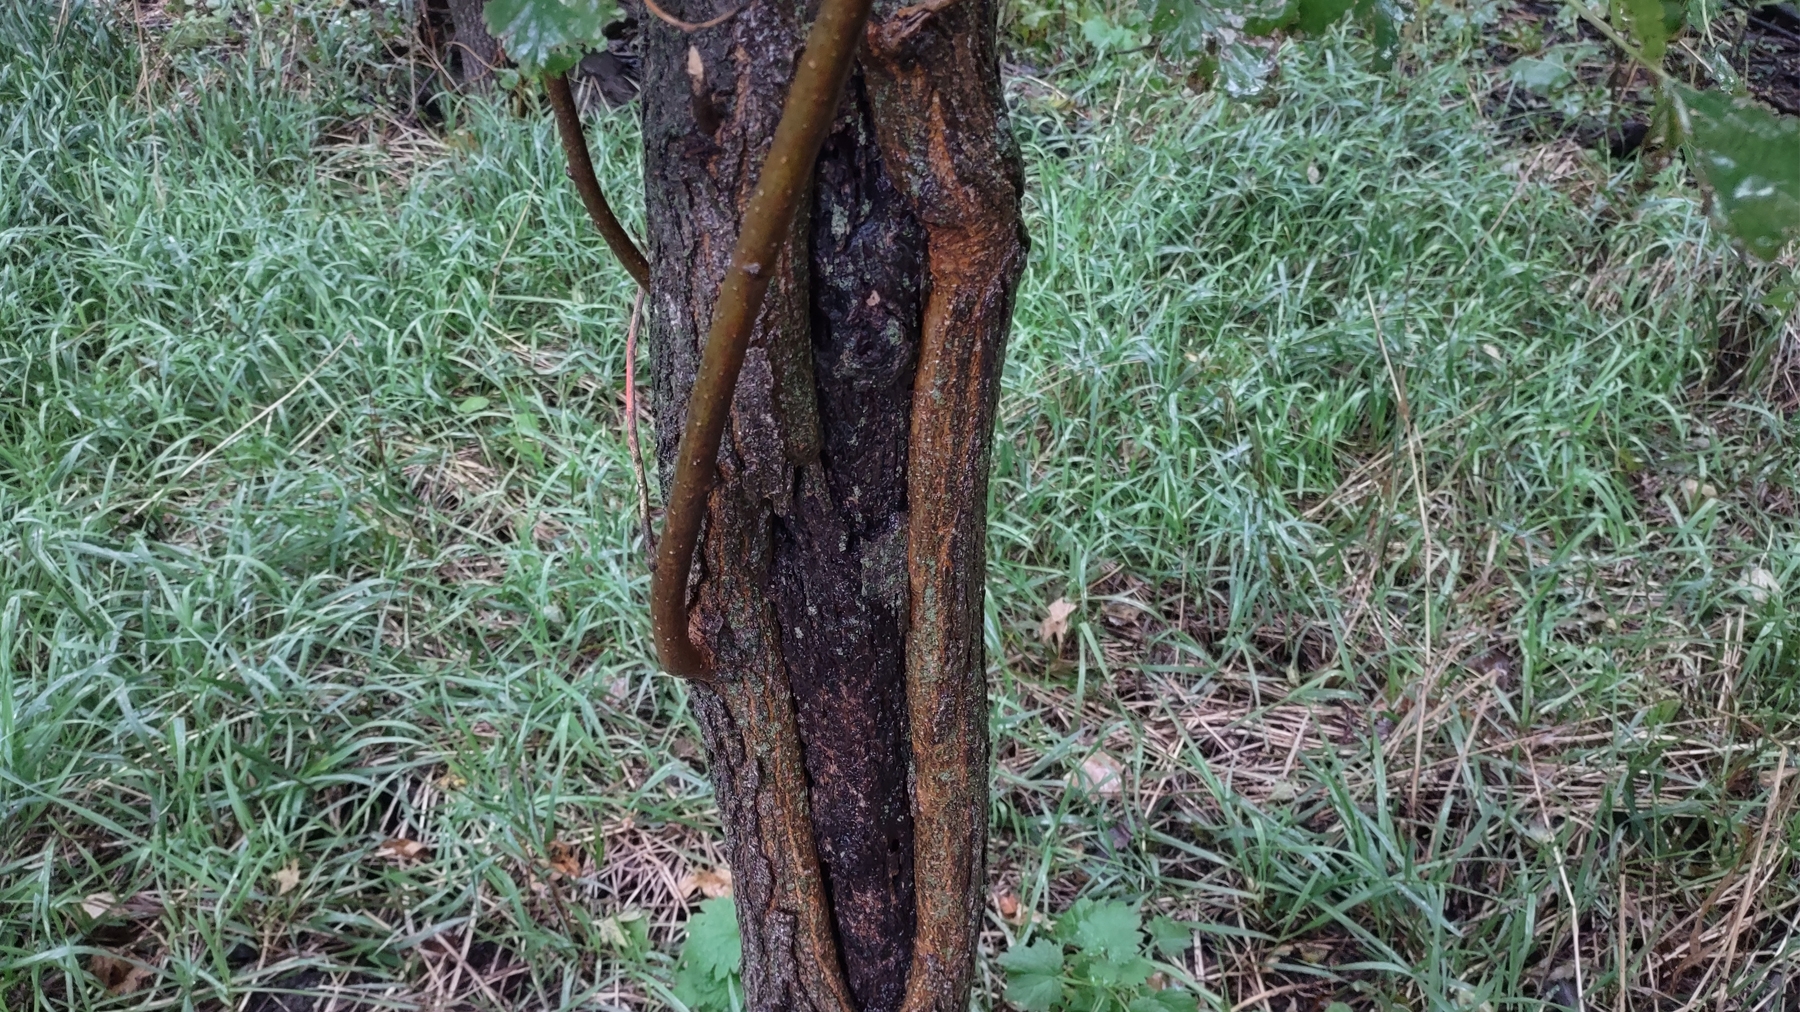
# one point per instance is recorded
(805, 117)
(690, 26)
(581, 170)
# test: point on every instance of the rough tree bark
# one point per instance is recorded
(477, 51)
(838, 586)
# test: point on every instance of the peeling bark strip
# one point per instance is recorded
(934, 80)
(711, 102)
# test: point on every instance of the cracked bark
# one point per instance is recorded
(837, 589)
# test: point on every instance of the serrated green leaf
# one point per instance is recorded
(1041, 956)
(1381, 21)
(700, 991)
(548, 36)
(1103, 34)
(713, 945)
(1245, 69)
(1750, 159)
(1540, 76)
(1034, 992)
(1108, 929)
(1265, 23)
(1171, 1000)
(1171, 938)
(1647, 21)
(1184, 26)
(1120, 972)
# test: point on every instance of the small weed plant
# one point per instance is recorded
(707, 979)
(1097, 959)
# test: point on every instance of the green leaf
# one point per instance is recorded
(1171, 938)
(1171, 1000)
(713, 945)
(1750, 159)
(1120, 972)
(1041, 956)
(1101, 33)
(702, 992)
(1265, 23)
(1034, 992)
(1782, 298)
(1107, 929)
(1540, 76)
(1647, 21)
(548, 36)
(1317, 15)
(470, 405)
(1381, 20)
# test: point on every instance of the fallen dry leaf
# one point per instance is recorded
(98, 905)
(613, 929)
(140, 906)
(400, 849)
(1056, 622)
(1008, 905)
(117, 974)
(287, 879)
(1099, 774)
(709, 882)
(565, 858)
(1760, 583)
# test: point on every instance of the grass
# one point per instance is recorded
(323, 660)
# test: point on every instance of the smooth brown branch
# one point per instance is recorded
(581, 170)
(691, 26)
(805, 118)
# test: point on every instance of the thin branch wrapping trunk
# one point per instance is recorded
(838, 594)
(767, 230)
(710, 104)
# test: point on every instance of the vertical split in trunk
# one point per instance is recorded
(802, 594)
(840, 581)
(838, 588)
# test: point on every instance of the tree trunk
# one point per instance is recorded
(838, 585)
(477, 51)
